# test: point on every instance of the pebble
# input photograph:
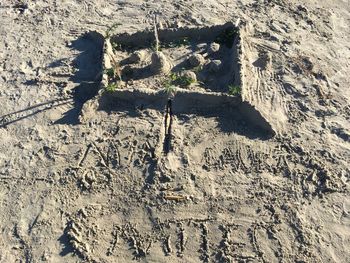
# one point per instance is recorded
(201, 46)
(190, 75)
(196, 60)
(213, 48)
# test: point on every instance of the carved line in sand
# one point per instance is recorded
(209, 239)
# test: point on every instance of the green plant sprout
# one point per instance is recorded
(234, 90)
(113, 73)
(181, 80)
(111, 87)
(110, 72)
(154, 47)
(175, 80)
(170, 89)
(117, 46)
(110, 29)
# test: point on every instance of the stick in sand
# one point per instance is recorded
(156, 32)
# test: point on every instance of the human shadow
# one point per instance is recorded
(88, 73)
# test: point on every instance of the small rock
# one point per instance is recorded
(196, 60)
(215, 65)
(137, 56)
(189, 75)
(302, 8)
(213, 48)
(201, 46)
(21, 7)
(160, 63)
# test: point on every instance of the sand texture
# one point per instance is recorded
(193, 175)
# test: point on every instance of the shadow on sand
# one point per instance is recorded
(241, 119)
(88, 65)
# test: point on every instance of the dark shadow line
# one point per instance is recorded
(32, 114)
(35, 106)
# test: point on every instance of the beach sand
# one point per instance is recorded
(101, 190)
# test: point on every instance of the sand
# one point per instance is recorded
(83, 180)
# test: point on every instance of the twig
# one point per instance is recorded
(23, 178)
(156, 32)
(175, 197)
(35, 221)
(84, 156)
(116, 67)
(110, 29)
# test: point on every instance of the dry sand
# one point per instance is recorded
(98, 191)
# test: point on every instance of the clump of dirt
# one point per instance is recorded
(160, 64)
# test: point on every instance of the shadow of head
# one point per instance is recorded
(64, 240)
(88, 65)
(88, 73)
